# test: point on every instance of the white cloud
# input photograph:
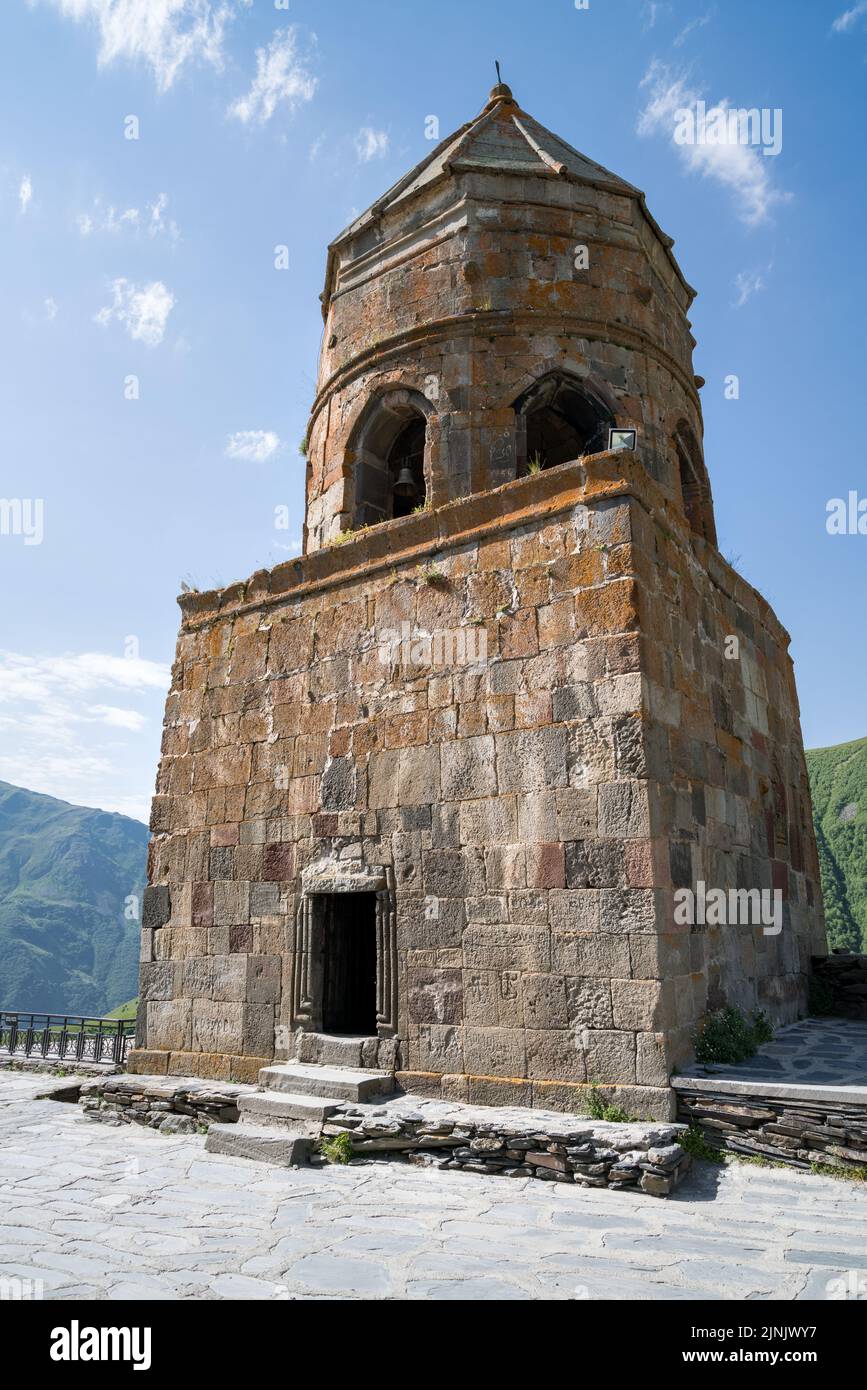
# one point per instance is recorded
(164, 35)
(118, 718)
(371, 144)
(252, 446)
(108, 219)
(64, 733)
(50, 306)
(25, 193)
(42, 678)
(281, 78)
(741, 168)
(747, 283)
(158, 224)
(849, 18)
(143, 312)
(650, 11)
(688, 29)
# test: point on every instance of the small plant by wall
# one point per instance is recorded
(337, 1149)
(728, 1036)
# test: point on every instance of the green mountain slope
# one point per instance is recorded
(65, 875)
(838, 781)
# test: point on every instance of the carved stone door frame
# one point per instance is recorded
(317, 881)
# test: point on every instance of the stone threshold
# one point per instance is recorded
(783, 1090)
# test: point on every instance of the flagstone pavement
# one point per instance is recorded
(93, 1211)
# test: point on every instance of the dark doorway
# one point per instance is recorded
(349, 963)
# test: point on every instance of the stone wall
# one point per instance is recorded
(528, 816)
(592, 1154)
(826, 1129)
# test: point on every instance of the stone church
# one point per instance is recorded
(427, 792)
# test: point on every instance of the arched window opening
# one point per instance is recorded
(558, 420)
(389, 458)
(694, 486)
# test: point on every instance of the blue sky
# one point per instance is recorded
(262, 125)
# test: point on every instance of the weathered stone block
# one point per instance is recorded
(435, 996)
(489, 821)
(545, 1001)
(231, 904)
(156, 906)
(554, 1055)
(495, 1052)
(264, 899)
(217, 1027)
(263, 979)
(468, 768)
(531, 758)
(168, 1025)
(156, 980)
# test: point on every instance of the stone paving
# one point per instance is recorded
(813, 1052)
(107, 1213)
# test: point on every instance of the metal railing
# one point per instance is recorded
(65, 1037)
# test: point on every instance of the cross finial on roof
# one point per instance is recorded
(500, 92)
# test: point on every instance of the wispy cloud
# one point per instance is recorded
(849, 18)
(697, 23)
(747, 283)
(252, 446)
(143, 312)
(741, 168)
(163, 35)
(25, 193)
(151, 219)
(282, 79)
(371, 144)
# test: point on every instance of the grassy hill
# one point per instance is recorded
(838, 781)
(66, 872)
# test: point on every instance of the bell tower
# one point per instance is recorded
(428, 792)
(498, 311)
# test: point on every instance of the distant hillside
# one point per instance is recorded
(838, 780)
(65, 874)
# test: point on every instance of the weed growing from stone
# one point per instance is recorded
(727, 1036)
(599, 1109)
(837, 1170)
(693, 1142)
(337, 1149)
(437, 578)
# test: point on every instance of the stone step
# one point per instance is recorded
(337, 1049)
(340, 1083)
(265, 1145)
(284, 1107)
